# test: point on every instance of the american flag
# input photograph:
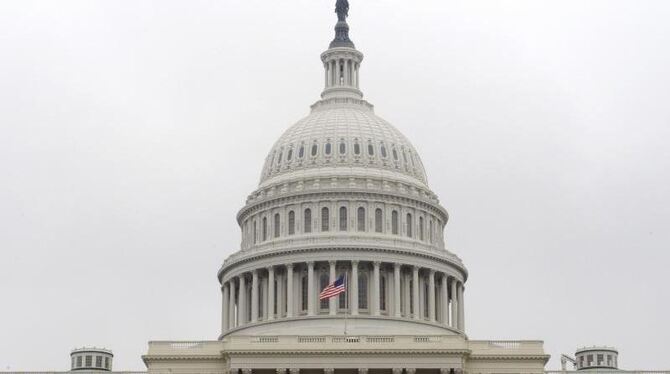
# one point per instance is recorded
(333, 289)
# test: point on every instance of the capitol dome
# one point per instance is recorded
(343, 139)
(343, 196)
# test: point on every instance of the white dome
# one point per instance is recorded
(343, 138)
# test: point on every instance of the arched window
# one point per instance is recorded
(409, 225)
(323, 283)
(255, 233)
(430, 231)
(303, 293)
(383, 149)
(395, 154)
(404, 156)
(371, 150)
(343, 147)
(315, 150)
(290, 154)
(301, 152)
(342, 298)
(411, 296)
(328, 148)
(420, 228)
(325, 219)
(281, 154)
(357, 148)
(394, 222)
(361, 219)
(363, 291)
(382, 293)
(291, 222)
(307, 221)
(265, 228)
(277, 225)
(411, 158)
(343, 219)
(378, 220)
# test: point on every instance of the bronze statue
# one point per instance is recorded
(342, 10)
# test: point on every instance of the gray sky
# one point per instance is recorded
(131, 132)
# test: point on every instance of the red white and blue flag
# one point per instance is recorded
(333, 289)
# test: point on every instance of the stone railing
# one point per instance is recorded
(185, 347)
(338, 342)
(608, 371)
(490, 347)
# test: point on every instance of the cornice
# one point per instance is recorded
(348, 352)
(335, 194)
(326, 248)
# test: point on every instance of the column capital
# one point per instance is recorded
(329, 371)
(431, 272)
(294, 370)
(397, 265)
(281, 371)
(331, 263)
(310, 263)
(354, 262)
(398, 371)
(289, 266)
(377, 263)
(246, 371)
(363, 371)
(253, 272)
(410, 370)
(270, 268)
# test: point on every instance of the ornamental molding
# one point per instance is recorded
(230, 264)
(271, 201)
(344, 352)
(522, 357)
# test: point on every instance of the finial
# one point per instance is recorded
(342, 28)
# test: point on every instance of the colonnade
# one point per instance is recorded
(342, 72)
(374, 288)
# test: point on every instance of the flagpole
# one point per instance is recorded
(346, 301)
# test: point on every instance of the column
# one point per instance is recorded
(271, 293)
(224, 307)
(289, 291)
(445, 300)
(337, 72)
(254, 296)
(406, 296)
(375, 288)
(281, 306)
(310, 288)
(454, 304)
(431, 295)
(231, 304)
(325, 66)
(346, 72)
(354, 288)
(264, 299)
(242, 301)
(396, 290)
(415, 292)
(332, 303)
(461, 307)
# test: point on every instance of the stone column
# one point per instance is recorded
(310, 288)
(415, 292)
(461, 307)
(445, 300)
(224, 307)
(231, 304)
(354, 288)
(454, 304)
(271, 293)
(242, 302)
(289, 291)
(254, 296)
(332, 302)
(431, 295)
(375, 288)
(281, 298)
(396, 290)
(264, 299)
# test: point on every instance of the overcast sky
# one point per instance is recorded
(131, 133)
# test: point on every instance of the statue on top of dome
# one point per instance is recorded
(342, 10)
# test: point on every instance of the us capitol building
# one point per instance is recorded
(342, 192)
